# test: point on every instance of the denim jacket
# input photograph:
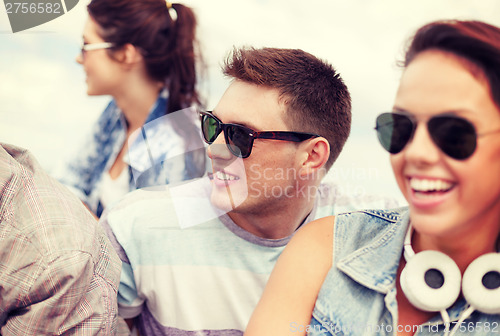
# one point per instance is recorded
(358, 296)
(168, 148)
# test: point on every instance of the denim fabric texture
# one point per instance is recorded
(358, 296)
(167, 149)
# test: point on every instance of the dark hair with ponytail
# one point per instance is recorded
(167, 42)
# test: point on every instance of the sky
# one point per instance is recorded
(44, 106)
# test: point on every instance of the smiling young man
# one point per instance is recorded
(197, 256)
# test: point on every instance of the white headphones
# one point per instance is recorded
(431, 281)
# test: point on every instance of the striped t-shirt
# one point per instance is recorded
(188, 269)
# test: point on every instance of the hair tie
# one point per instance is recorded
(171, 11)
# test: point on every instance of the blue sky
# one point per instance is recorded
(43, 105)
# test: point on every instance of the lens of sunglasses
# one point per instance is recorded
(239, 141)
(210, 128)
(394, 131)
(237, 138)
(456, 137)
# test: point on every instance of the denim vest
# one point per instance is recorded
(358, 296)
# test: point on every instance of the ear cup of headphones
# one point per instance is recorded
(431, 281)
(481, 283)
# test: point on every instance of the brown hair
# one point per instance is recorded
(475, 41)
(167, 44)
(315, 96)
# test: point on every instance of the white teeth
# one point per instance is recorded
(429, 185)
(225, 177)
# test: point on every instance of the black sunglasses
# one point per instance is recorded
(239, 139)
(455, 136)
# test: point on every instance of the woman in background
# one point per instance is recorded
(432, 268)
(142, 53)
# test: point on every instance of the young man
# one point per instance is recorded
(197, 256)
(59, 274)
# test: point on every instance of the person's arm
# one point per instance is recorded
(288, 300)
(61, 295)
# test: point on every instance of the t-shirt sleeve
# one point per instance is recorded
(129, 302)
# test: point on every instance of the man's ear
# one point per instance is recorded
(314, 154)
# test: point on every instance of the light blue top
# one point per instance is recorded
(358, 296)
(188, 269)
(168, 148)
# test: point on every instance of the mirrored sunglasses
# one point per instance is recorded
(239, 139)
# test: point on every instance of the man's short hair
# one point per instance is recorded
(315, 96)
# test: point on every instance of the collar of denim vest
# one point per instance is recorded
(159, 108)
(375, 264)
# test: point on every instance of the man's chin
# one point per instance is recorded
(226, 199)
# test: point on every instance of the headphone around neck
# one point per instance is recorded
(432, 281)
